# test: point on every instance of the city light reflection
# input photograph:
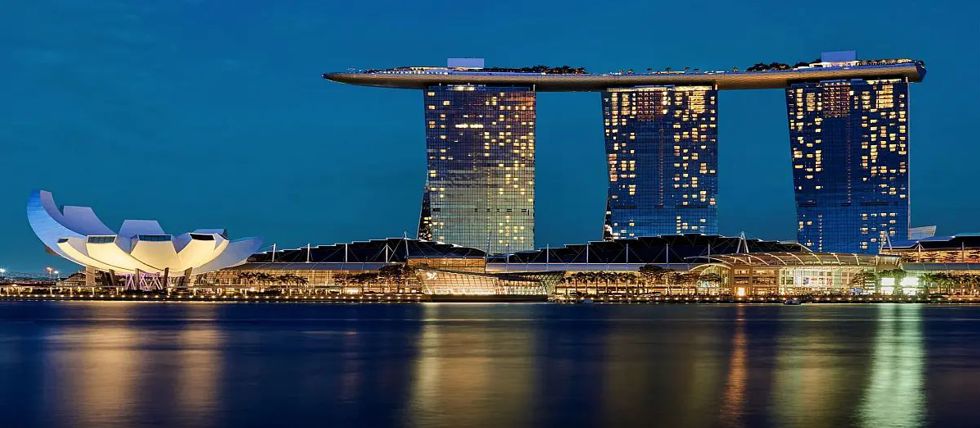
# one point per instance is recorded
(473, 369)
(818, 368)
(733, 401)
(92, 368)
(894, 396)
(199, 366)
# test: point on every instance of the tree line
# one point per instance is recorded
(647, 275)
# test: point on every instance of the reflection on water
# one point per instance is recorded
(894, 395)
(734, 400)
(198, 368)
(98, 366)
(140, 364)
(819, 365)
(476, 369)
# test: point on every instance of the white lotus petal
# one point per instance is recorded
(46, 221)
(110, 253)
(84, 221)
(201, 250)
(159, 254)
(237, 253)
(76, 251)
(131, 228)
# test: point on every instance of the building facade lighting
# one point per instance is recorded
(480, 146)
(662, 160)
(849, 145)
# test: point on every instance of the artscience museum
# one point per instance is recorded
(140, 253)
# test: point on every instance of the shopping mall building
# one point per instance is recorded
(651, 266)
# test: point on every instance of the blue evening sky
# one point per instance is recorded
(213, 113)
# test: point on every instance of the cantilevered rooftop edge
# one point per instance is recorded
(422, 77)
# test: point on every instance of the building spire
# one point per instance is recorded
(742, 243)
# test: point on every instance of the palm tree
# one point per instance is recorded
(959, 281)
(652, 273)
(712, 278)
(972, 281)
(672, 278)
(931, 280)
(688, 279)
(388, 274)
(863, 278)
(946, 282)
(896, 275)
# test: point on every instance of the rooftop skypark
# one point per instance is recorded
(762, 75)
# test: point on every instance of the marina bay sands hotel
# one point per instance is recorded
(848, 134)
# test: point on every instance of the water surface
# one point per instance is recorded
(450, 365)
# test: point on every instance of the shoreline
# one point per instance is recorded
(419, 298)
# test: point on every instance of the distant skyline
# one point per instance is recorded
(209, 115)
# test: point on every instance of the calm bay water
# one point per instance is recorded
(453, 365)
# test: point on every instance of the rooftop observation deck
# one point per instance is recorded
(579, 81)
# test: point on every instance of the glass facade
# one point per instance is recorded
(661, 148)
(480, 184)
(425, 217)
(849, 142)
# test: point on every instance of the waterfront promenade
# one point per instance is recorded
(392, 298)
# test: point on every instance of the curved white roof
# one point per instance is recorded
(78, 235)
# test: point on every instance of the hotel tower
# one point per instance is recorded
(479, 190)
(662, 158)
(848, 128)
(849, 142)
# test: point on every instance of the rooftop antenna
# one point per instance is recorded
(406, 245)
(742, 243)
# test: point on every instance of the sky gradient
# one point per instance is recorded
(213, 114)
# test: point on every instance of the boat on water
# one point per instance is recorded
(793, 301)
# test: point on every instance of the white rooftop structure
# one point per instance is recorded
(139, 247)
